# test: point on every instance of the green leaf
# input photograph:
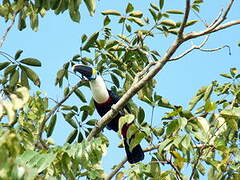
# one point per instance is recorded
(91, 5)
(137, 14)
(141, 115)
(24, 79)
(186, 142)
(136, 20)
(75, 15)
(92, 122)
(174, 11)
(111, 12)
(172, 127)
(115, 80)
(136, 140)
(80, 137)
(106, 21)
(3, 65)
(91, 40)
(128, 27)
(59, 78)
(45, 161)
(129, 8)
(31, 62)
(18, 54)
(199, 95)
(72, 136)
(192, 22)
(9, 69)
(68, 118)
(80, 95)
(14, 78)
(127, 119)
(51, 125)
(154, 6)
(208, 92)
(131, 131)
(31, 75)
(168, 22)
(209, 106)
(233, 72)
(161, 3)
(84, 38)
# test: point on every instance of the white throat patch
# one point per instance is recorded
(99, 90)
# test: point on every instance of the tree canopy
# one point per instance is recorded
(202, 135)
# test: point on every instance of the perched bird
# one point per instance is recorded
(103, 100)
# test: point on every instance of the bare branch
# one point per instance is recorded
(7, 30)
(54, 109)
(185, 18)
(191, 49)
(210, 30)
(178, 174)
(219, 20)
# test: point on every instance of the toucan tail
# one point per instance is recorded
(135, 155)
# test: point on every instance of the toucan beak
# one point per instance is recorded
(85, 71)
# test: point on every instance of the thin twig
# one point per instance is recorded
(178, 174)
(53, 110)
(191, 49)
(185, 18)
(7, 30)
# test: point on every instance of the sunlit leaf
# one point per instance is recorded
(137, 14)
(174, 11)
(111, 12)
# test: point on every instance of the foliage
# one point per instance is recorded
(204, 137)
(25, 8)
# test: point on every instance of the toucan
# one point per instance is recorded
(103, 101)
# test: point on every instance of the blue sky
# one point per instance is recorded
(58, 40)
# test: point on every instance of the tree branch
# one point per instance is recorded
(7, 30)
(140, 84)
(54, 109)
(185, 18)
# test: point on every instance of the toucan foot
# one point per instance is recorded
(85, 71)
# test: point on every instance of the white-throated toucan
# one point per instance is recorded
(103, 100)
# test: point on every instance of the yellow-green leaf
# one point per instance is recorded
(138, 14)
(174, 11)
(168, 22)
(111, 12)
(136, 20)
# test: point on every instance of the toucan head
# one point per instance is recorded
(85, 71)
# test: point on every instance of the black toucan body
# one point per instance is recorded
(103, 100)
